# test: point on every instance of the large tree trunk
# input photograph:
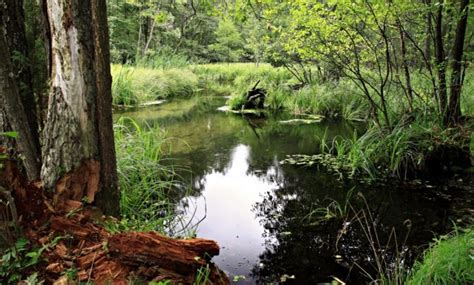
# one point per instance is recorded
(76, 142)
(12, 20)
(454, 109)
(10, 99)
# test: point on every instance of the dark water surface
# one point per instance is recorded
(258, 210)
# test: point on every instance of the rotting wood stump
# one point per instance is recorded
(104, 257)
(99, 256)
(255, 98)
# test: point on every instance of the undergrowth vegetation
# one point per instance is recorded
(148, 185)
(137, 85)
(141, 84)
(399, 152)
(448, 261)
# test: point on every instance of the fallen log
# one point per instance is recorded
(148, 256)
(166, 257)
(152, 249)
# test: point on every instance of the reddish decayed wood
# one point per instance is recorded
(151, 249)
(111, 258)
(99, 256)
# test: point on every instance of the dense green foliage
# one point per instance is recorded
(449, 261)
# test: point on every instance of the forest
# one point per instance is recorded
(236, 142)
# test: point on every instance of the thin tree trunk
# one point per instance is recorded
(150, 37)
(440, 62)
(428, 39)
(76, 147)
(10, 98)
(454, 108)
(406, 69)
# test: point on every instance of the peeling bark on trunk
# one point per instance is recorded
(78, 131)
(148, 256)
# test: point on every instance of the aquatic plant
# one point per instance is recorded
(388, 256)
(122, 90)
(147, 184)
(332, 210)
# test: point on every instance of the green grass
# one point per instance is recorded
(237, 78)
(137, 85)
(397, 152)
(146, 183)
(122, 89)
(332, 100)
(163, 59)
(449, 261)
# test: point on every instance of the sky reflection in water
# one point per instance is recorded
(229, 197)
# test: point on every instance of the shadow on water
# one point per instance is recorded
(257, 210)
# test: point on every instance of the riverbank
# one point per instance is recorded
(415, 144)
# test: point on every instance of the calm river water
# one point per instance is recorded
(259, 210)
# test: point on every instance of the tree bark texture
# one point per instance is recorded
(13, 21)
(75, 140)
(10, 99)
(454, 108)
(108, 170)
(147, 256)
